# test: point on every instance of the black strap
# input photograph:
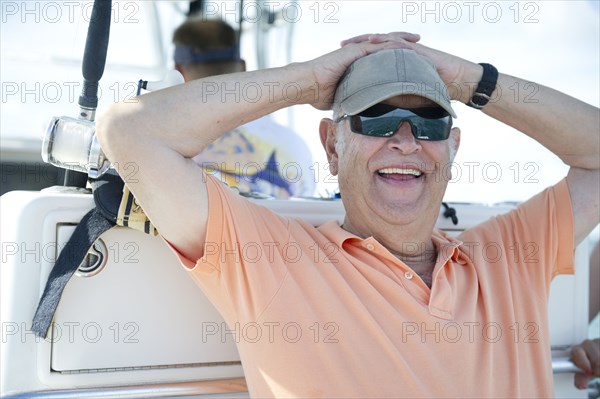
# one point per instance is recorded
(485, 88)
(91, 226)
(108, 191)
(450, 212)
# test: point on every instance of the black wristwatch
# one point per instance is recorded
(485, 88)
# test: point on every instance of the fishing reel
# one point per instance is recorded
(72, 144)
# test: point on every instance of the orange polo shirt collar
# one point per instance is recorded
(440, 298)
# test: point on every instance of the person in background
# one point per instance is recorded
(260, 157)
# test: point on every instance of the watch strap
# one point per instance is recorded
(485, 88)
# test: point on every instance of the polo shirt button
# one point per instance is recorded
(408, 275)
(370, 247)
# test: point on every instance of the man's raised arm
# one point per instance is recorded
(156, 135)
(570, 129)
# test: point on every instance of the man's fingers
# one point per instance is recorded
(380, 38)
(580, 359)
(361, 49)
(356, 39)
(395, 36)
(581, 381)
(592, 350)
(586, 356)
(328, 69)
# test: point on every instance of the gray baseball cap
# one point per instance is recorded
(389, 73)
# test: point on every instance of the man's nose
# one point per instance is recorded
(403, 140)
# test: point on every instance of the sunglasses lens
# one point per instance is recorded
(379, 126)
(431, 129)
(432, 124)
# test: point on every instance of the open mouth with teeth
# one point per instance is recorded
(399, 174)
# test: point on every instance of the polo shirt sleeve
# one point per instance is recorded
(243, 264)
(536, 238)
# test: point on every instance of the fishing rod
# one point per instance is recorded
(71, 143)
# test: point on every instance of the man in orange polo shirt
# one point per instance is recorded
(383, 305)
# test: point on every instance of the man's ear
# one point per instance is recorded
(327, 132)
(454, 142)
(181, 70)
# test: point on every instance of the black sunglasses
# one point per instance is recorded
(382, 120)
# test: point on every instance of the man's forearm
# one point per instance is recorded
(566, 126)
(187, 118)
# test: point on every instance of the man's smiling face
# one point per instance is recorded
(389, 181)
